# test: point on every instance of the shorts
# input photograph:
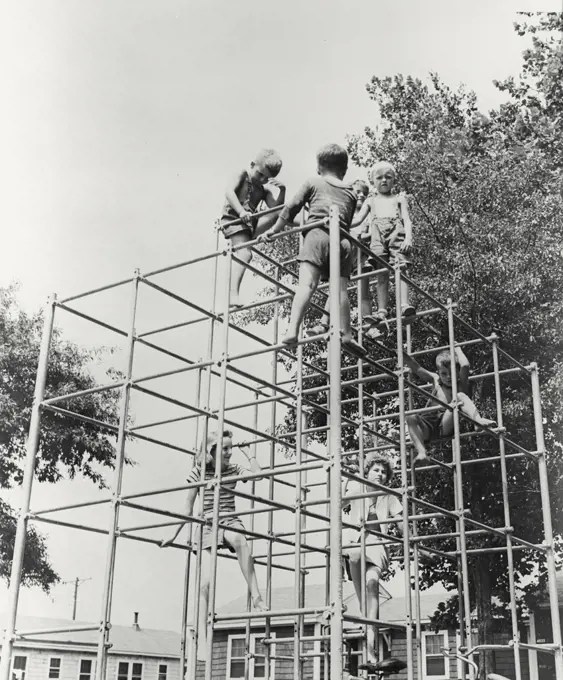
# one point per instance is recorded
(207, 537)
(385, 247)
(228, 232)
(316, 250)
(433, 421)
(376, 555)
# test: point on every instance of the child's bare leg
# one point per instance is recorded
(372, 609)
(420, 436)
(469, 409)
(309, 275)
(355, 563)
(264, 223)
(345, 321)
(366, 299)
(238, 269)
(382, 289)
(203, 605)
(244, 557)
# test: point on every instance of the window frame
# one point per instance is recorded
(130, 664)
(445, 637)
(25, 670)
(253, 638)
(92, 660)
(159, 675)
(60, 668)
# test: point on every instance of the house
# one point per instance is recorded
(136, 653)
(543, 665)
(230, 641)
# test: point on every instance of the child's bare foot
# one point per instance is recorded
(234, 301)
(290, 339)
(485, 422)
(259, 604)
(352, 346)
(420, 457)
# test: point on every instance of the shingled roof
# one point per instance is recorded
(124, 639)
(391, 609)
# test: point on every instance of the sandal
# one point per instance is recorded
(373, 332)
(379, 320)
(408, 312)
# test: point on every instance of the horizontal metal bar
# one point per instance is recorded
(101, 289)
(373, 622)
(48, 631)
(271, 614)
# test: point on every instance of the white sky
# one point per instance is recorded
(121, 123)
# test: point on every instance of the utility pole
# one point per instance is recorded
(77, 581)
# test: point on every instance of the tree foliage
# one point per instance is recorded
(67, 446)
(485, 196)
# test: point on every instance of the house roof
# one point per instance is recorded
(390, 609)
(124, 639)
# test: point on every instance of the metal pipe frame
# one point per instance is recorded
(291, 393)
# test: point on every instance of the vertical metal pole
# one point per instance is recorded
(507, 523)
(547, 526)
(188, 560)
(271, 482)
(116, 496)
(416, 554)
(458, 484)
(218, 467)
(298, 563)
(75, 599)
(404, 475)
(206, 400)
(361, 473)
(31, 453)
(247, 656)
(335, 453)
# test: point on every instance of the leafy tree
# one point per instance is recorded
(67, 447)
(486, 203)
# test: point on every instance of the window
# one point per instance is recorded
(162, 671)
(237, 653)
(55, 667)
(18, 667)
(85, 669)
(130, 671)
(435, 663)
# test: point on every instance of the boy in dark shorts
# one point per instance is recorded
(232, 540)
(248, 189)
(319, 194)
(424, 427)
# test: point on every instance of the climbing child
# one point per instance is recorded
(361, 190)
(248, 189)
(377, 469)
(390, 233)
(425, 427)
(319, 194)
(229, 536)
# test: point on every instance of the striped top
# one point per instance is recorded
(226, 499)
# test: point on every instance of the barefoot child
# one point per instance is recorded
(377, 469)
(390, 231)
(320, 193)
(247, 190)
(361, 190)
(425, 427)
(232, 540)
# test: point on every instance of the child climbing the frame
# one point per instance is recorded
(248, 188)
(229, 535)
(377, 469)
(390, 233)
(319, 194)
(361, 190)
(425, 427)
